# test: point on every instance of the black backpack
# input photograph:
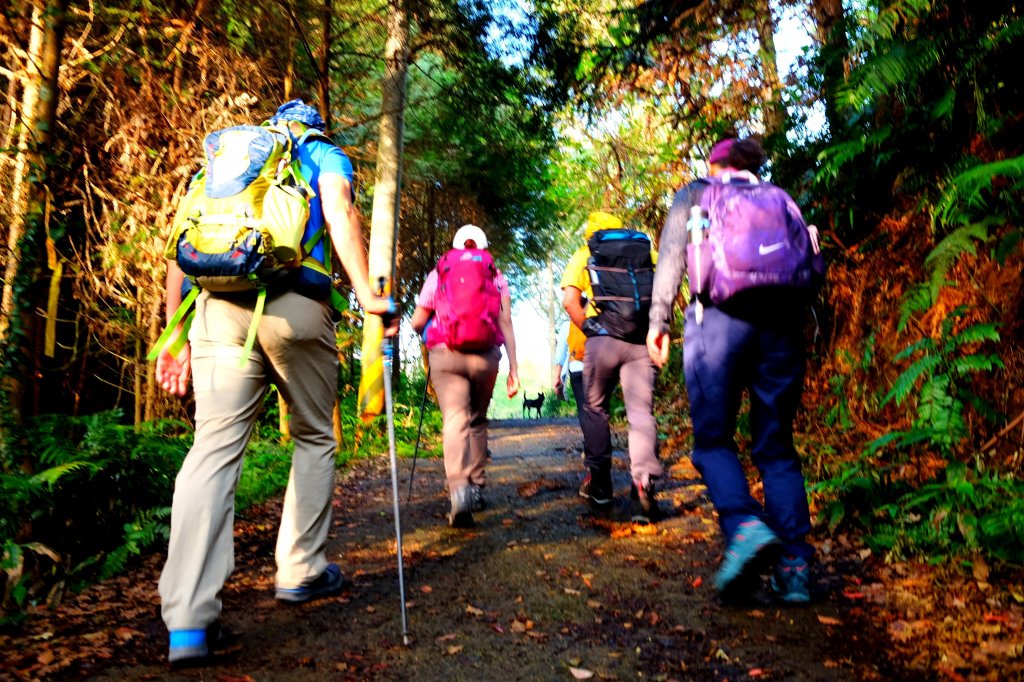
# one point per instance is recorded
(622, 276)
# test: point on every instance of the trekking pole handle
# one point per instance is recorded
(392, 312)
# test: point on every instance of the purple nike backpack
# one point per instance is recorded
(756, 237)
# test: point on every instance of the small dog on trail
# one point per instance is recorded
(532, 404)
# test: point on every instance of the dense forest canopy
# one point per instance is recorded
(898, 128)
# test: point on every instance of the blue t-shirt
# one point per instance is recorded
(319, 157)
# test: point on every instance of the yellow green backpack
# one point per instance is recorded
(240, 226)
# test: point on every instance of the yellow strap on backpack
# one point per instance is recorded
(184, 307)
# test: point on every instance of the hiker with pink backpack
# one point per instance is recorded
(753, 265)
(464, 312)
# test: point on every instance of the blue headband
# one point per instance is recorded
(297, 110)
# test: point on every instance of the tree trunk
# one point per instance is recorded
(550, 311)
(28, 200)
(774, 112)
(386, 195)
(830, 31)
(324, 75)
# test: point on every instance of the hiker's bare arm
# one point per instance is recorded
(347, 237)
(505, 323)
(572, 301)
(172, 372)
(420, 317)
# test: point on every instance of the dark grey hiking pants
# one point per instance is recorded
(607, 362)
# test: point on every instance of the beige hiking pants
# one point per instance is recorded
(295, 350)
(464, 383)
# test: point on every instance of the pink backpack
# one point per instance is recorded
(467, 304)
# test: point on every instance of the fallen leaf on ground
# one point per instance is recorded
(581, 673)
(454, 649)
(829, 620)
(531, 488)
(474, 611)
(697, 582)
(426, 589)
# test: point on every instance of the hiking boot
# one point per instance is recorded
(477, 501)
(597, 489)
(327, 584)
(791, 580)
(645, 503)
(194, 647)
(750, 546)
(187, 648)
(461, 515)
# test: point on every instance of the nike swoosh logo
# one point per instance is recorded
(771, 248)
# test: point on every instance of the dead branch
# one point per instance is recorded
(1009, 427)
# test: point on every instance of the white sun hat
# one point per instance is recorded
(470, 233)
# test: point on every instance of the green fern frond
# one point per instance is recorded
(967, 189)
(976, 363)
(947, 251)
(918, 299)
(53, 474)
(888, 72)
(922, 344)
(977, 333)
(906, 382)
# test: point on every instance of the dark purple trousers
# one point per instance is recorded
(721, 357)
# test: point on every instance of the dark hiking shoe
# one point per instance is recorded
(750, 548)
(645, 504)
(597, 489)
(327, 584)
(461, 515)
(477, 501)
(791, 580)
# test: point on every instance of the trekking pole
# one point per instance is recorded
(419, 432)
(386, 349)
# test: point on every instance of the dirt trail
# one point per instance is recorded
(538, 588)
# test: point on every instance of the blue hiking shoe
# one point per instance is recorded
(750, 546)
(327, 584)
(791, 580)
(187, 647)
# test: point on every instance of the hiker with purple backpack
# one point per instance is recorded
(753, 266)
(464, 312)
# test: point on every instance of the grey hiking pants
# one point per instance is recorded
(464, 383)
(607, 362)
(295, 350)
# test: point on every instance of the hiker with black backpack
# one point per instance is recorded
(464, 312)
(266, 321)
(753, 265)
(606, 291)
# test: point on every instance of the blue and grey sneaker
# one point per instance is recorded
(327, 584)
(187, 647)
(750, 546)
(791, 580)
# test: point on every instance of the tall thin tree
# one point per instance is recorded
(386, 201)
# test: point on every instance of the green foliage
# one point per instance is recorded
(937, 264)
(960, 512)
(970, 192)
(939, 378)
(77, 479)
(265, 472)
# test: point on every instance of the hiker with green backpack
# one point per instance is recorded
(251, 249)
